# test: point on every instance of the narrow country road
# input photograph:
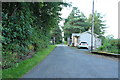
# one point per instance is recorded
(67, 62)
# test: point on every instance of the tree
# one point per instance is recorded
(56, 33)
(99, 26)
(76, 22)
(26, 28)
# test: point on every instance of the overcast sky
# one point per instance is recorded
(109, 8)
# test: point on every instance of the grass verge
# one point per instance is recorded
(23, 67)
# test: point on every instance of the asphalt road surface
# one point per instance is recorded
(67, 62)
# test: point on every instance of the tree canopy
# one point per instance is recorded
(99, 26)
(26, 28)
(77, 22)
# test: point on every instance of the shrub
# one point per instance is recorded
(8, 59)
(26, 28)
(110, 45)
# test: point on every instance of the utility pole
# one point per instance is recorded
(92, 31)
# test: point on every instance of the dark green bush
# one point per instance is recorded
(8, 59)
(26, 29)
(110, 45)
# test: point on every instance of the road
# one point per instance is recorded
(68, 62)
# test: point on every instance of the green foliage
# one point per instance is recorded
(9, 58)
(23, 67)
(110, 45)
(76, 22)
(99, 26)
(65, 42)
(26, 28)
(56, 32)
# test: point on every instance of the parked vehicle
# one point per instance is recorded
(82, 45)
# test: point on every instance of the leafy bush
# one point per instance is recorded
(26, 28)
(8, 59)
(102, 48)
(110, 45)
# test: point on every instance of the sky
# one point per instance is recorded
(109, 8)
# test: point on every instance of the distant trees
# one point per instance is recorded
(56, 35)
(77, 22)
(26, 28)
(99, 26)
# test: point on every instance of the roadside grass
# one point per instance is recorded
(105, 52)
(116, 51)
(65, 42)
(23, 67)
(98, 51)
(0, 74)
